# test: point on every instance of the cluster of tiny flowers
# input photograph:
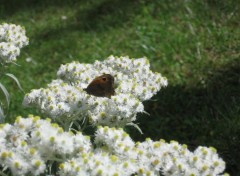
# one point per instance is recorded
(116, 154)
(132, 76)
(59, 100)
(65, 97)
(98, 163)
(27, 145)
(12, 39)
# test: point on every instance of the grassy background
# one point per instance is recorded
(195, 44)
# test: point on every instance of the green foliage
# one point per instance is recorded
(195, 44)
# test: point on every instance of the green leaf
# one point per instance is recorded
(2, 116)
(136, 126)
(4, 90)
(15, 79)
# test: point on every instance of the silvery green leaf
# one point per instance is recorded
(4, 90)
(136, 126)
(15, 79)
(15, 63)
(4, 169)
(2, 116)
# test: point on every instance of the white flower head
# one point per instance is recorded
(116, 153)
(12, 39)
(65, 98)
(29, 143)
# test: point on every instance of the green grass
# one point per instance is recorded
(195, 44)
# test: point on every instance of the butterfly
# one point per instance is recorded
(101, 86)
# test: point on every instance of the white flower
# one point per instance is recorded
(116, 153)
(17, 165)
(26, 146)
(29, 59)
(113, 152)
(8, 52)
(12, 39)
(63, 17)
(65, 98)
(38, 166)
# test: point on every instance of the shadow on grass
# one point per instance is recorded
(9, 8)
(108, 14)
(99, 17)
(208, 116)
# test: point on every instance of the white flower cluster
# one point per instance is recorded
(65, 97)
(118, 155)
(27, 145)
(12, 39)
(132, 76)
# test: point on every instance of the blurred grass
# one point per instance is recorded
(195, 44)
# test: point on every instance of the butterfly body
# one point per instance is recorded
(101, 86)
